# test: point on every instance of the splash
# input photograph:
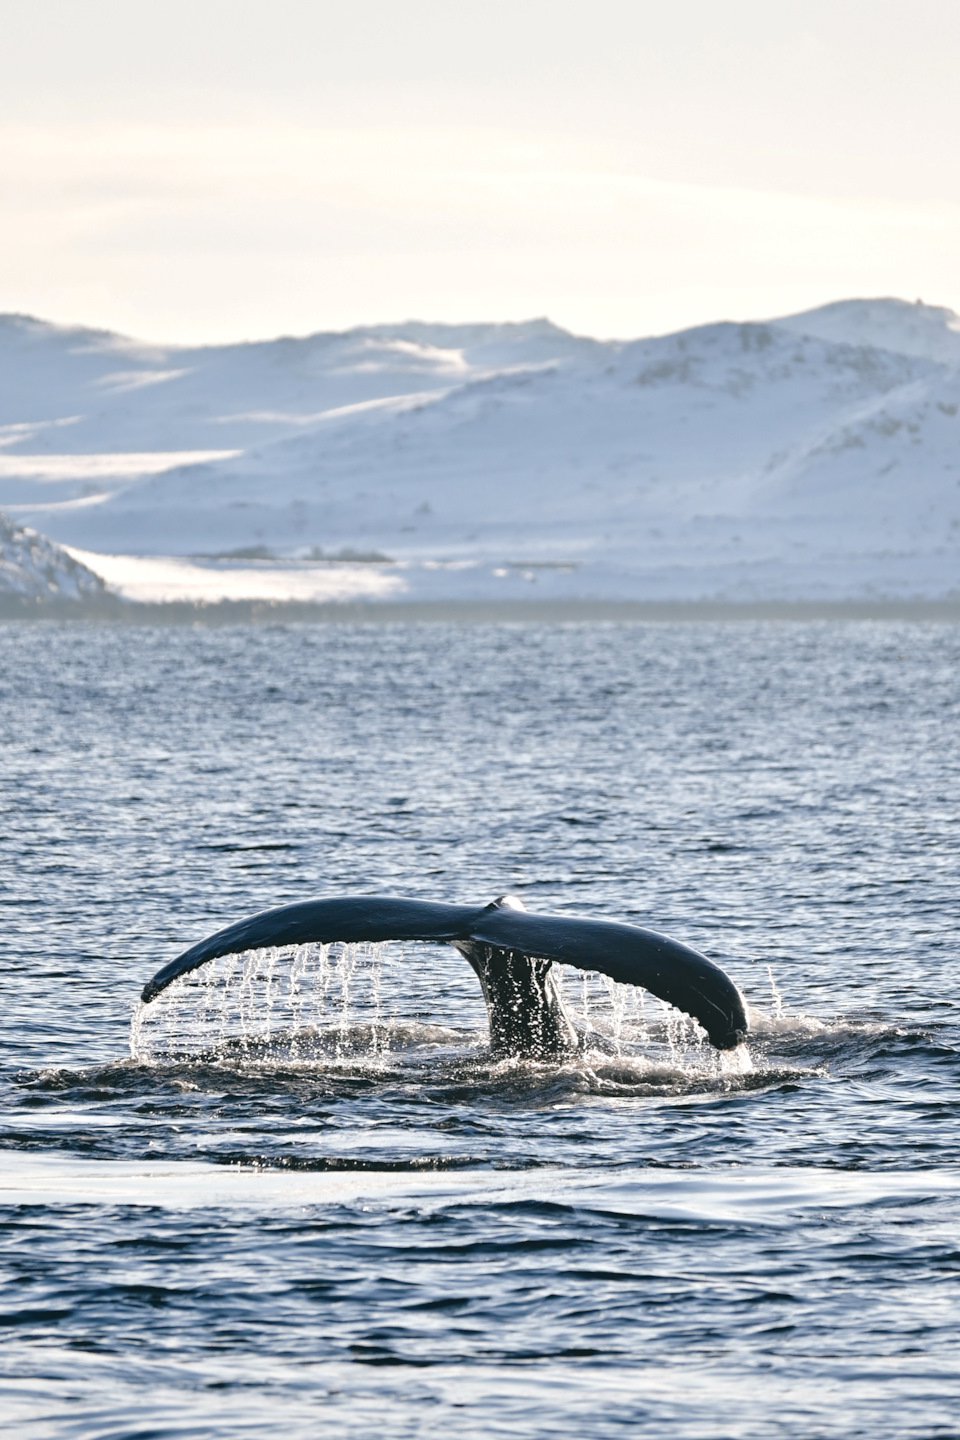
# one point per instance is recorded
(736, 1062)
(293, 1000)
(778, 1021)
(369, 1004)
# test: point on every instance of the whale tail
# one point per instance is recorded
(512, 952)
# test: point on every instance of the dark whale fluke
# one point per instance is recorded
(512, 952)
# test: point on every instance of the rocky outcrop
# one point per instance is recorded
(33, 570)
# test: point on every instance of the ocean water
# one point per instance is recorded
(296, 1195)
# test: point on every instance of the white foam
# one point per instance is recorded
(751, 1196)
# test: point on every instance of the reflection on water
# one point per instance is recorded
(419, 1237)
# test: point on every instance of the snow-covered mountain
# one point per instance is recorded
(817, 456)
(31, 568)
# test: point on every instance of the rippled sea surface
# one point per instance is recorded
(338, 1214)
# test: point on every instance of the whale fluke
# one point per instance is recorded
(512, 951)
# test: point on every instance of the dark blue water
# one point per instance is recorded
(309, 1226)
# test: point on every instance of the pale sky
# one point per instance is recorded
(228, 169)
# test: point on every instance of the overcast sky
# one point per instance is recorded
(226, 169)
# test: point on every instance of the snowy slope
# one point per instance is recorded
(84, 413)
(88, 392)
(31, 568)
(930, 331)
(817, 456)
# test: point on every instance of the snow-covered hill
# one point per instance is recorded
(86, 392)
(813, 457)
(31, 568)
(931, 331)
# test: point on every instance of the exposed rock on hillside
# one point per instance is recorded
(33, 568)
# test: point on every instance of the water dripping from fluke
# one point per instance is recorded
(307, 984)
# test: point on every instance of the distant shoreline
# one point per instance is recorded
(113, 611)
